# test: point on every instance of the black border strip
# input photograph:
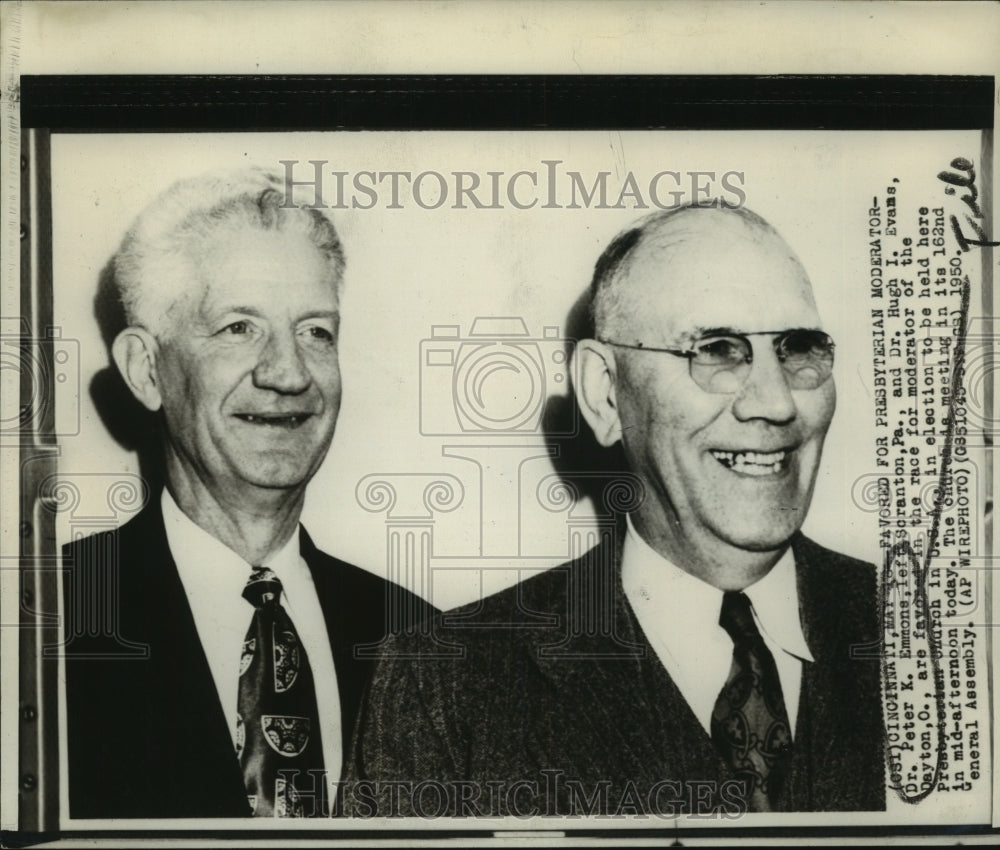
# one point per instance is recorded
(89, 103)
(38, 731)
(476, 832)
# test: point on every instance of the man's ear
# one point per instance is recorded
(595, 373)
(134, 351)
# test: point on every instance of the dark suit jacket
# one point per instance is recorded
(147, 735)
(556, 675)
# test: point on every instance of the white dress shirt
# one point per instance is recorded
(679, 614)
(213, 576)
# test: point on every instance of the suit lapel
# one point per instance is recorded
(354, 608)
(192, 765)
(640, 726)
(831, 753)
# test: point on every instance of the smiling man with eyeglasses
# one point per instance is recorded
(727, 444)
(712, 659)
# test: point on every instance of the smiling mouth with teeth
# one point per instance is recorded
(290, 420)
(752, 463)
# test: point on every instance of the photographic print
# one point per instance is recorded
(413, 452)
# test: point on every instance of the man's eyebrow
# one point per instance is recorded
(698, 333)
(320, 314)
(331, 316)
(224, 309)
(719, 331)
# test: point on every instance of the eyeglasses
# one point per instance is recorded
(721, 363)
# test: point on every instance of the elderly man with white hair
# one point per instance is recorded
(244, 691)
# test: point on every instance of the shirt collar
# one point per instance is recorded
(775, 600)
(192, 547)
(688, 605)
(691, 606)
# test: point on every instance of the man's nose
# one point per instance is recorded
(766, 394)
(281, 366)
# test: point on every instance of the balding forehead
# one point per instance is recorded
(705, 265)
(699, 229)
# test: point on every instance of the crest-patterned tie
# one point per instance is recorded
(277, 724)
(749, 722)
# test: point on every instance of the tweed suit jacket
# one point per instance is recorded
(147, 735)
(551, 691)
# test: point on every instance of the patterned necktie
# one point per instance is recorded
(277, 722)
(749, 722)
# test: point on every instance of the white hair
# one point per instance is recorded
(155, 264)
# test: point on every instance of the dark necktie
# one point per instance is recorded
(277, 723)
(749, 722)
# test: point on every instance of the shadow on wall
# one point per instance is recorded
(132, 425)
(581, 462)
